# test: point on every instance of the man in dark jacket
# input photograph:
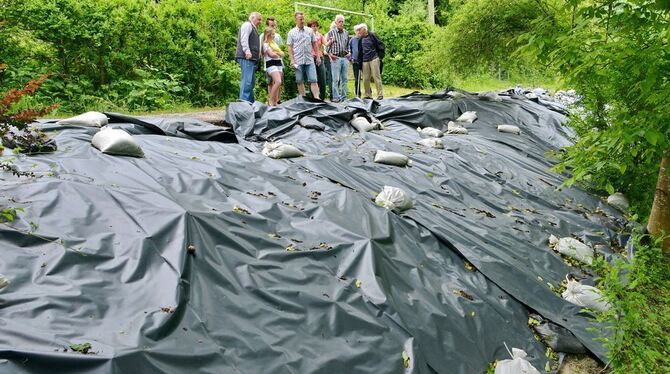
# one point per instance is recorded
(370, 54)
(248, 55)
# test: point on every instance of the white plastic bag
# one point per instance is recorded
(394, 198)
(116, 142)
(431, 142)
(490, 96)
(586, 296)
(517, 365)
(363, 125)
(619, 201)
(391, 158)
(4, 282)
(280, 150)
(511, 129)
(468, 117)
(429, 131)
(91, 119)
(455, 128)
(573, 248)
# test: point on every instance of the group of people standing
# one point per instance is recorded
(318, 60)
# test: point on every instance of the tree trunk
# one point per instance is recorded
(659, 219)
(431, 12)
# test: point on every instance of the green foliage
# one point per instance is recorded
(480, 38)
(615, 53)
(404, 37)
(143, 55)
(639, 293)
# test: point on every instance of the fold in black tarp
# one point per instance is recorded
(295, 268)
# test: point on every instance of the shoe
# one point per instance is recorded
(334, 101)
(367, 98)
(380, 97)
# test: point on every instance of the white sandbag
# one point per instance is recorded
(91, 119)
(539, 91)
(280, 150)
(489, 96)
(432, 143)
(4, 282)
(586, 296)
(468, 117)
(391, 158)
(510, 129)
(394, 198)
(455, 128)
(363, 125)
(429, 131)
(573, 248)
(116, 142)
(619, 201)
(456, 94)
(517, 365)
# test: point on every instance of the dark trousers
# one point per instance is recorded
(357, 79)
(326, 62)
(321, 77)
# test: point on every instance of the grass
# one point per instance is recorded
(472, 84)
(639, 293)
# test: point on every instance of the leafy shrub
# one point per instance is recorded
(480, 38)
(404, 37)
(14, 121)
(639, 294)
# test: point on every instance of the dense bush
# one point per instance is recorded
(481, 38)
(143, 55)
(404, 37)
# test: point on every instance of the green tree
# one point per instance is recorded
(479, 38)
(616, 54)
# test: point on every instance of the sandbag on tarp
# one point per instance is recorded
(491, 198)
(211, 257)
(181, 263)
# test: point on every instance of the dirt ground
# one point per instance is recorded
(581, 364)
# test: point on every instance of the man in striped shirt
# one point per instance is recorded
(337, 41)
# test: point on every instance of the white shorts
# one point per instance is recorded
(273, 69)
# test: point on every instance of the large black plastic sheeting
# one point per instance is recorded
(206, 256)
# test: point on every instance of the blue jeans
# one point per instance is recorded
(340, 68)
(248, 79)
(305, 69)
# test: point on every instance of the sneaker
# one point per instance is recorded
(380, 97)
(367, 98)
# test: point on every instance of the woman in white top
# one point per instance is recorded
(272, 56)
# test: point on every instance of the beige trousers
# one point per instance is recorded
(371, 70)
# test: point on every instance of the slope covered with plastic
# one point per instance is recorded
(207, 256)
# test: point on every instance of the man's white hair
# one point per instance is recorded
(254, 15)
(363, 27)
(339, 16)
(357, 27)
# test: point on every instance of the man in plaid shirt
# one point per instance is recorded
(337, 41)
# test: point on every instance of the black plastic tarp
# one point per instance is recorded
(206, 256)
